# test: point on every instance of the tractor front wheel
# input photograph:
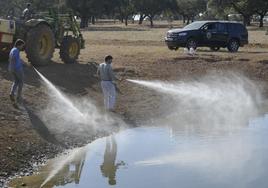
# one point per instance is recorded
(70, 49)
(40, 44)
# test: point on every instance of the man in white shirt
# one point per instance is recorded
(106, 74)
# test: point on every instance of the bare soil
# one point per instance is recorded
(139, 53)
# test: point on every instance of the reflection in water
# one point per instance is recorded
(67, 169)
(72, 171)
(60, 171)
(108, 168)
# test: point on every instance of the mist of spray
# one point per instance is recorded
(216, 101)
(77, 117)
(59, 95)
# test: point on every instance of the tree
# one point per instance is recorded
(244, 7)
(261, 8)
(14, 7)
(149, 8)
(218, 9)
(41, 5)
(86, 9)
(189, 9)
(125, 9)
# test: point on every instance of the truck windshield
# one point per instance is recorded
(194, 26)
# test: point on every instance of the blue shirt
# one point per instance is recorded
(15, 62)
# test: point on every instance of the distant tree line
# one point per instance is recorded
(246, 8)
(124, 10)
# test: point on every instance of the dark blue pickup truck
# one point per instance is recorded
(213, 34)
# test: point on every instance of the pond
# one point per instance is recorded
(163, 156)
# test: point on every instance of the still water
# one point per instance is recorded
(164, 157)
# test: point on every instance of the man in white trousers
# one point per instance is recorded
(106, 74)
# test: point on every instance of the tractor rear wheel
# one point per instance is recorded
(4, 56)
(40, 45)
(70, 49)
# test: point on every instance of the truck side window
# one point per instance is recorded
(221, 27)
(211, 27)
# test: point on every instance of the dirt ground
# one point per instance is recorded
(139, 53)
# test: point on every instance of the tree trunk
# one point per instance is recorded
(87, 20)
(246, 20)
(133, 20)
(141, 19)
(93, 20)
(184, 19)
(151, 21)
(261, 20)
(84, 22)
(126, 20)
(226, 17)
(188, 20)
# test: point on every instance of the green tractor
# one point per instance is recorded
(46, 32)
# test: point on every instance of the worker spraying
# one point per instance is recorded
(108, 78)
(15, 67)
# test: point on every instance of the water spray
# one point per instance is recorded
(179, 89)
(60, 95)
(74, 116)
(215, 101)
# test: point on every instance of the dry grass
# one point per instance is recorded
(141, 44)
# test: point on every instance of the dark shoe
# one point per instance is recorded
(19, 100)
(15, 105)
(12, 97)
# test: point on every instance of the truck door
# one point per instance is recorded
(208, 34)
(220, 37)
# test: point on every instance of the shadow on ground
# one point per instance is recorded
(74, 78)
(41, 128)
(225, 51)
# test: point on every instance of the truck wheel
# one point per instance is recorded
(70, 49)
(40, 45)
(191, 43)
(215, 49)
(233, 45)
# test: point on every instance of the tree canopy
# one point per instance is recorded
(124, 10)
